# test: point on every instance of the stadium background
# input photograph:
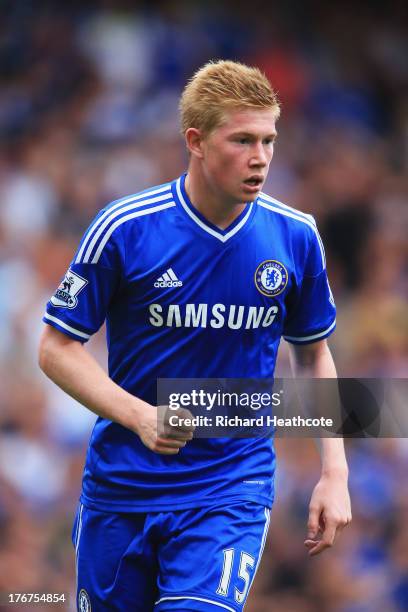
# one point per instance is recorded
(88, 112)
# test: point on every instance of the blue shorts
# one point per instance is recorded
(201, 559)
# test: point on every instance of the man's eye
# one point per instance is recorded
(243, 140)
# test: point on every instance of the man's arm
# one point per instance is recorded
(330, 508)
(72, 368)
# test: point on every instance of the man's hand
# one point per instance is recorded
(329, 512)
(158, 435)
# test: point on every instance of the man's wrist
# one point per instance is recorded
(338, 471)
(132, 413)
(333, 457)
(140, 410)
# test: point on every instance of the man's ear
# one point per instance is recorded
(194, 142)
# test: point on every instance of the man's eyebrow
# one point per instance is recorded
(251, 134)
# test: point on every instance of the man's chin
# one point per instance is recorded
(250, 196)
(243, 196)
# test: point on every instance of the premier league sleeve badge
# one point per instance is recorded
(66, 294)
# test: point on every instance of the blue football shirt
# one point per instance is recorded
(185, 299)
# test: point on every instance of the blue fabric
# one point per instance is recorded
(191, 559)
(183, 299)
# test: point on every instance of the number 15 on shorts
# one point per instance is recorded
(246, 567)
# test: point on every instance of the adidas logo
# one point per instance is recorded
(168, 279)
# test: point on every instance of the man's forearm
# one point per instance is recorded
(68, 364)
(316, 361)
(73, 369)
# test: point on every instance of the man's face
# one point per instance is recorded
(237, 154)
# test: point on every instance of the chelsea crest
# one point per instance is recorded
(84, 603)
(271, 277)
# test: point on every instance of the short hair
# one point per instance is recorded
(221, 86)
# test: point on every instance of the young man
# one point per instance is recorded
(196, 278)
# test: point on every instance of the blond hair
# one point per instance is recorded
(221, 86)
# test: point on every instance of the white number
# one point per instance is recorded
(245, 562)
(226, 572)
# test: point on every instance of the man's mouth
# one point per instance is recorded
(254, 181)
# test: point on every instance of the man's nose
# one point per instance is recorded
(258, 157)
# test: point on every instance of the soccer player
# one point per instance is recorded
(196, 278)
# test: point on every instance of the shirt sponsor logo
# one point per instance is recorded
(216, 316)
(66, 294)
(271, 277)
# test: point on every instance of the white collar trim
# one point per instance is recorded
(210, 230)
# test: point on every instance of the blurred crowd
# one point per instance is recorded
(88, 113)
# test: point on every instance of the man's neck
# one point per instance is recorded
(202, 197)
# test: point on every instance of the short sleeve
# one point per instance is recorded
(79, 306)
(312, 316)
